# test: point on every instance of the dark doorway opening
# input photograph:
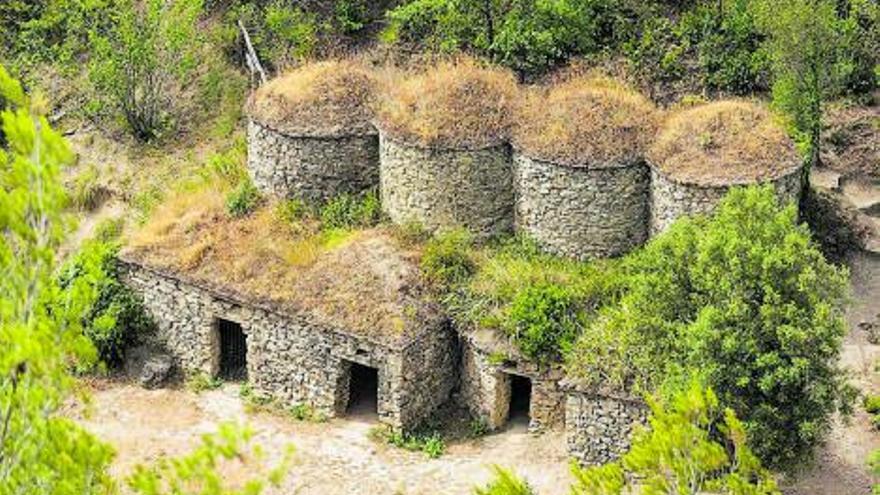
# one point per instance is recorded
(233, 350)
(363, 392)
(520, 399)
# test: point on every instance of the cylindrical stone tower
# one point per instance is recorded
(310, 134)
(444, 157)
(702, 152)
(582, 186)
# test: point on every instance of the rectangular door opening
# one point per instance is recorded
(363, 393)
(520, 399)
(233, 350)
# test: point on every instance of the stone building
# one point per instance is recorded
(704, 151)
(581, 182)
(499, 386)
(310, 134)
(294, 357)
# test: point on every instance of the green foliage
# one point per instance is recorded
(527, 36)
(281, 33)
(874, 464)
(243, 199)
(86, 193)
(350, 15)
(202, 382)
(429, 443)
(116, 319)
(40, 326)
(862, 38)
(144, 59)
(347, 211)
(504, 482)
(201, 472)
(745, 300)
(692, 447)
(446, 260)
(544, 321)
(306, 412)
(810, 60)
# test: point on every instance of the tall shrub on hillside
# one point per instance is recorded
(143, 60)
(810, 59)
(746, 301)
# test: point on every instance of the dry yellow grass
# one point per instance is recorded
(457, 104)
(725, 142)
(362, 281)
(585, 121)
(329, 98)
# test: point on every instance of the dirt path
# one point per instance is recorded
(331, 458)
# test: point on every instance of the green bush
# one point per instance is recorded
(504, 482)
(350, 15)
(243, 199)
(745, 300)
(347, 211)
(447, 261)
(429, 443)
(281, 33)
(544, 321)
(117, 319)
(872, 404)
(144, 59)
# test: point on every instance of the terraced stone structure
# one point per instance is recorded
(310, 134)
(444, 157)
(704, 151)
(582, 186)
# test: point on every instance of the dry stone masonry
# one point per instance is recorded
(582, 212)
(312, 168)
(443, 188)
(294, 359)
(599, 426)
(671, 199)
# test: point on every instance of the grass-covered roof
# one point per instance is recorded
(585, 122)
(330, 98)
(723, 143)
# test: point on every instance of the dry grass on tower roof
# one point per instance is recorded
(723, 143)
(459, 104)
(363, 281)
(331, 98)
(585, 121)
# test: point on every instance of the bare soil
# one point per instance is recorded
(336, 457)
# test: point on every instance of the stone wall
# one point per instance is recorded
(485, 389)
(582, 212)
(599, 427)
(311, 168)
(293, 358)
(442, 188)
(671, 200)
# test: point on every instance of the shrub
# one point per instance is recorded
(243, 199)
(347, 212)
(201, 382)
(281, 33)
(692, 446)
(430, 443)
(350, 15)
(504, 482)
(117, 319)
(148, 52)
(544, 321)
(743, 299)
(446, 261)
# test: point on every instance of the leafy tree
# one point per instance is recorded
(745, 300)
(148, 51)
(40, 325)
(200, 472)
(810, 61)
(692, 447)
